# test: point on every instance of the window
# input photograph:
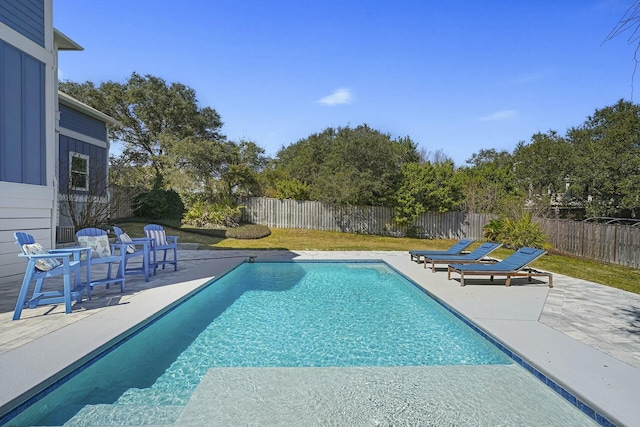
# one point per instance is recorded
(79, 171)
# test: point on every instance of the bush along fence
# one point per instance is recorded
(618, 244)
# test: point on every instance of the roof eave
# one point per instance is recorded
(63, 42)
(84, 108)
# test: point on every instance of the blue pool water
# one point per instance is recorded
(265, 315)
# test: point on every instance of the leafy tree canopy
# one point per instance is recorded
(152, 116)
(427, 187)
(606, 174)
(543, 165)
(490, 184)
(358, 166)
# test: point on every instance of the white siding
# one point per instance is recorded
(27, 208)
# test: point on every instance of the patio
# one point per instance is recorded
(583, 335)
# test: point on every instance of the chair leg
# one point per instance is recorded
(145, 266)
(38, 287)
(155, 264)
(175, 259)
(22, 296)
(67, 292)
(121, 274)
(164, 260)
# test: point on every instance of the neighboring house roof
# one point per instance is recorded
(84, 108)
(64, 42)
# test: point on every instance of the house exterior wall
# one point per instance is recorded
(76, 121)
(28, 80)
(27, 17)
(85, 135)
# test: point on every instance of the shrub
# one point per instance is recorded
(159, 204)
(516, 233)
(249, 231)
(494, 230)
(208, 215)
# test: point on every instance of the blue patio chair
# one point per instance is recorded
(136, 247)
(515, 265)
(43, 264)
(453, 250)
(164, 243)
(479, 254)
(103, 252)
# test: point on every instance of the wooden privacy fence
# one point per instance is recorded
(378, 220)
(617, 244)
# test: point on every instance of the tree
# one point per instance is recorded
(543, 167)
(152, 116)
(221, 170)
(606, 177)
(427, 187)
(359, 166)
(489, 183)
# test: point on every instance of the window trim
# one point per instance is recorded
(73, 154)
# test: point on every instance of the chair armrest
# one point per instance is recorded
(76, 251)
(65, 256)
(172, 239)
(140, 239)
(49, 255)
(122, 247)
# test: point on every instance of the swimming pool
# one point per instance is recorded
(368, 335)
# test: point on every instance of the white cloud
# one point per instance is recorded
(499, 115)
(339, 96)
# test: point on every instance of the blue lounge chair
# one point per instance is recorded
(44, 264)
(516, 265)
(136, 247)
(162, 242)
(103, 252)
(453, 250)
(477, 255)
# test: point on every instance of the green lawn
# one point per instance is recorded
(612, 275)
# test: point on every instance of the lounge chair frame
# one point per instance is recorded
(524, 271)
(468, 258)
(456, 249)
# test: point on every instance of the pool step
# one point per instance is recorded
(104, 414)
(144, 396)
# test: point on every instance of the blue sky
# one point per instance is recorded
(455, 75)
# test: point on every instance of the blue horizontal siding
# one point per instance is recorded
(24, 16)
(22, 117)
(79, 122)
(98, 158)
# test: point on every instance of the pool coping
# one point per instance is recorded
(597, 378)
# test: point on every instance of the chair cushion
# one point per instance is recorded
(41, 264)
(159, 236)
(124, 238)
(99, 245)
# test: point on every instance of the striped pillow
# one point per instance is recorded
(43, 264)
(124, 238)
(159, 236)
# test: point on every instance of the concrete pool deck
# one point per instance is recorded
(584, 336)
